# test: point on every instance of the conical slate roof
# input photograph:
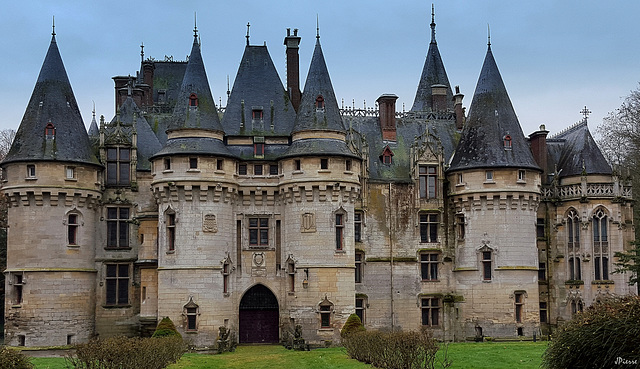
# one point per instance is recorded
(433, 73)
(52, 101)
(195, 82)
(94, 131)
(491, 119)
(258, 87)
(579, 153)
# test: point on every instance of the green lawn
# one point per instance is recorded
(492, 355)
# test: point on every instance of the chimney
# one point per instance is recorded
(293, 67)
(538, 142)
(121, 89)
(387, 106)
(438, 97)
(457, 106)
(147, 78)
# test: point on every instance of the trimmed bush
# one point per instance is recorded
(605, 335)
(13, 359)
(127, 353)
(352, 325)
(166, 328)
(395, 350)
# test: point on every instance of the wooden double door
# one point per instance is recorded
(259, 316)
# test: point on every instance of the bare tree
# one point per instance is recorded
(6, 139)
(620, 135)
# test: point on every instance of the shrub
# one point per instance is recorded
(604, 335)
(166, 328)
(13, 359)
(127, 353)
(393, 350)
(352, 325)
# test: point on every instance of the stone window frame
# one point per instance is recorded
(428, 181)
(486, 261)
(600, 241)
(429, 262)
(73, 226)
(429, 310)
(359, 260)
(339, 222)
(325, 311)
(190, 313)
(426, 226)
(259, 229)
(120, 225)
(358, 225)
(119, 164)
(117, 289)
(519, 299)
(291, 274)
(364, 304)
(170, 224)
(226, 270)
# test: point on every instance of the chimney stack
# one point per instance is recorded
(293, 67)
(438, 97)
(538, 142)
(457, 106)
(387, 106)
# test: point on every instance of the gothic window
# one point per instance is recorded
(319, 102)
(170, 221)
(117, 284)
(359, 266)
(507, 142)
(191, 312)
(600, 245)
(429, 266)
(72, 229)
(428, 181)
(357, 226)
(519, 305)
(428, 227)
(486, 265)
(50, 131)
(573, 230)
(339, 217)
(117, 227)
(258, 231)
(118, 166)
(193, 100)
(360, 309)
(577, 306)
(575, 271)
(326, 308)
(430, 311)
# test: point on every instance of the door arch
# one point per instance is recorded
(259, 316)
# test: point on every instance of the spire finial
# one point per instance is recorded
(433, 24)
(142, 52)
(53, 26)
(248, 25)
(94, 109)
(585, 112)
(195, 25)
(488, 35)
(317, 27)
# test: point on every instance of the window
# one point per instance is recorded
(543, 312)
(193, 100)
(540, 227)
(117, 227)
(257, 169)
(519, 306)
(325, 316)
(273, 169)
(488, 175)
(428, 227)
(297, 165)
(17, 289)
(460, 179)
(387, 156)
(31, 171)
(542, 271)
(219, 164)
(430, 311)
(507, 142)
(600, 245)
(242, 169)
(324, 163)
(386, 159)
(117, 282)
(167, 163)
(460, 226)
(347, 165)
(357, 226)
(486, 265)
(360, 308)
(319, 102)
(428, 181)
(72, 229)
(70, 172)
(193, 163)
(192, 314)
(359, 269)
(226, 271)
(576, 306)
(573, 230)
(339, 231)
(522, 175)
(171, 231)
(258, 150)
(291, 273)
(118, 166)
(258, 231)
(575, 272)
(256, 114)
(429, 266)
(22, 340)
(50, 131)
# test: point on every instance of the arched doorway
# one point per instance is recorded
(259, 316)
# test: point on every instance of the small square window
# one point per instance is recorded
(256, 114)
(193, 163)
(257, 169)
(324, 163)
(273, 169)
(489, 175)
(70, 172)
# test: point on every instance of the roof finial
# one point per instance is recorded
(433, 24)
(248, 25)
(53, 25)
(488, 35)
(195, 25)
(142, 52)
(228, 90)
(317, 27)
(94, 109)
(586, 113)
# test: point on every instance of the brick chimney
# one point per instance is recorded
(293, 67)
(538, 142)
(438, 97)
(387, 106)
(147, 78)
(457, 107)
(121, 89)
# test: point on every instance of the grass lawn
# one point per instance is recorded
(492, 355)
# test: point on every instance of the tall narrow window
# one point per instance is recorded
(324, 163)
(17, 289)
(507, 142)
(428, 227)
(428, 181)
(118, 166)
(72, 229)
(193, 100)
(325, 313)
(460, 226)
(50, 131)
(347, 165)
(360, 309)
(117, 227)
(296, 164)
(171, 231)
(600, 245)
(219, 164)
(431, 311)
(31, 171)
(486, 265)
(543, 312)
(117, 283)
(226, 271)
(258, 231)
(429, 266)
(540, 228)
(319, 102)
(542, 271)
(291, 272)
(339, 231)
(167, 163)
(575, 270)
(359, 269)
(573, 245)
(519, 306)
(192, 315)
(193, 163)
(258, 150)
(488, 176)
(242, 169)
(357, 226)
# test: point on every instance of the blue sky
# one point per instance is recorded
(555, 56)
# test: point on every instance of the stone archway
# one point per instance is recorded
(259, 316)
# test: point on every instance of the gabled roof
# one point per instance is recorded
(433, 73)
(491, 118)
(52, 101)
(195, 83)
(258, 87)
(575, 152)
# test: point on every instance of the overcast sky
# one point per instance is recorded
(555, 57)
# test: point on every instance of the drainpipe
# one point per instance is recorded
(391, 236)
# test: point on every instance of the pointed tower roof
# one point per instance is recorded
(52, 105)
(492, 121)
(94, 131)
(195, 107)
(258, 104)
(433, 73)
(580, 153)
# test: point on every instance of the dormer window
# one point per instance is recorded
(387, 156)
(257, 114)
(50, 130)
(319, 102)
(507, 142)
(193, 100)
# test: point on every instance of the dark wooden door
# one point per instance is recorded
(259, 316)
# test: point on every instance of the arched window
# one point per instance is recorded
(319, 102)
(573, 245)
(507, 142)
(193, 100)
(600, 245)
(50, 130)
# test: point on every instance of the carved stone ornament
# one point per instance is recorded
(209, 223)
(308, 223)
